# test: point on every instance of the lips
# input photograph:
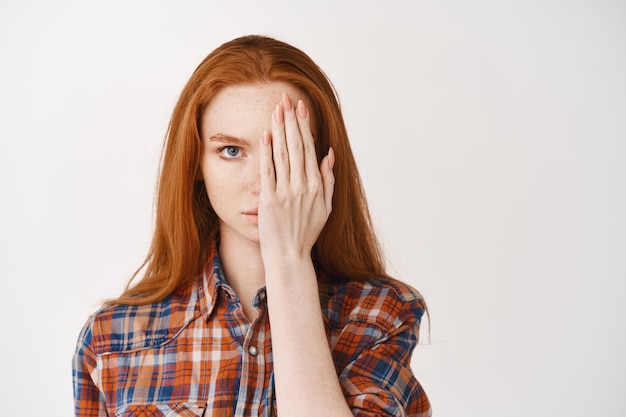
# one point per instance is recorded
(252, 215)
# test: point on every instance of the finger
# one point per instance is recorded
(268, 175)
(294, 143)
(310, 158)
(328, 179)
(279, 147)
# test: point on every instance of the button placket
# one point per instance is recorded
(253, 366)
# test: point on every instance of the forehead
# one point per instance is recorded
(244, 110)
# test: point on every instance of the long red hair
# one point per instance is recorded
(186, 225)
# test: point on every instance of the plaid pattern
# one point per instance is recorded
(195, 353)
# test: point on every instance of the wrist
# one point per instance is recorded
(286, 260)
(290, 275)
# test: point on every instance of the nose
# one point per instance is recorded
(254, 177)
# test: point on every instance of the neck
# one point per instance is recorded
(243, 268)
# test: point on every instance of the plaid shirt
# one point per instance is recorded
(195, 353)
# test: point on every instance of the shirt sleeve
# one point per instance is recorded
(88, 400)
(376, 347)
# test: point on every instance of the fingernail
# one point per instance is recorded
(265, 138)
(287, 102)
(301, 110)
(278, 114)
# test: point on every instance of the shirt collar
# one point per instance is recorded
(212, 281)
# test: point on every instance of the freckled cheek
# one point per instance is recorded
(222, 190)
(215, 188)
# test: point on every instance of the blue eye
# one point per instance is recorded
(230, 151)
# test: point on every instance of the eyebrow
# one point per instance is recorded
(220, 137)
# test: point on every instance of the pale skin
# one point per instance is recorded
(272, 198)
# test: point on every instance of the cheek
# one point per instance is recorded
(218, 188)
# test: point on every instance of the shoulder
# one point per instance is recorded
(387, 303)
(117, 328)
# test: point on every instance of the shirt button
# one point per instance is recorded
(252, 350)
(262, 295)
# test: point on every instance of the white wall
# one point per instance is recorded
(490, 137)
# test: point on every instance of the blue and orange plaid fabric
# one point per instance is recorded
(196, 354)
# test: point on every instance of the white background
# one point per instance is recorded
(490, 135)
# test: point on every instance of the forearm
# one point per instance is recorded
(306, 379)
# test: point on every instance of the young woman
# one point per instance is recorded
(264, 292)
